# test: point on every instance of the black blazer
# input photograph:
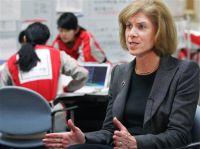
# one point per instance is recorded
(170, 107)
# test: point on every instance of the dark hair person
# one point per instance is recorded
(35, 34)
(38, 66)
(77, 41)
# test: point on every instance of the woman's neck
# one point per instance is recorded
(147, 64)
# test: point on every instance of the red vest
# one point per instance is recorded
(47, 87)
(82, 42)
(73, 52)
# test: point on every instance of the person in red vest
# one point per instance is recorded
(39, 67)
(77, 41)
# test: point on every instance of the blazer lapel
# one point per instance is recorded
(119, 104)
(160, 87)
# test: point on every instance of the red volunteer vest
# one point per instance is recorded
(82, 40)
(46, 87)
(73, 52)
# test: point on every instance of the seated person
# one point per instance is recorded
(152, 99)
(38, 67)
(77, 41)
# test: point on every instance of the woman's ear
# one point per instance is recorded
(77, 30)
(24, 39)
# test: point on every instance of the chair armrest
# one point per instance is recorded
(71, 108)
(68, 109)
(191, 145)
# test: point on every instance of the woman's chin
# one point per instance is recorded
(133, 52)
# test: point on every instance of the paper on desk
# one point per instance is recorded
(86, 90)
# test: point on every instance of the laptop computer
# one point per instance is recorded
(98, 80)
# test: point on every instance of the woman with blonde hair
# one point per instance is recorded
(152, 100)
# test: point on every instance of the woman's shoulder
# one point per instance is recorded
(85, 34)
(170, 62)
(51, 49)
(123, 67)
(189, 65)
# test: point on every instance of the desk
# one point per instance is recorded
(91, 109)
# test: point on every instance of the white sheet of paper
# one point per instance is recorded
(10, 9)
(70, 6)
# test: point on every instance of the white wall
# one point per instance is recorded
(97, 16)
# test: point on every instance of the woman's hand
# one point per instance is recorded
(122, 138)
(65, 139)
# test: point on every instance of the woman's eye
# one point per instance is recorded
(141, 26)
(128, 26)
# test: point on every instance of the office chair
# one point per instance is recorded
(195, 132)
(25, 117)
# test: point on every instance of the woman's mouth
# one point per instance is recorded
(133, 44)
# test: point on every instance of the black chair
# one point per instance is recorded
(25, 117)
(195, 132)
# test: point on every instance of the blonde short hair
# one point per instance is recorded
(159, 14)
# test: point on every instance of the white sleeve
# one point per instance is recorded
(5, 78)
(70, 67)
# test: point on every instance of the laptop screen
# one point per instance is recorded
(98, 74)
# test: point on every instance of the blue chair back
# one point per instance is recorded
(196, 127)
(23, 113)
(195, 132)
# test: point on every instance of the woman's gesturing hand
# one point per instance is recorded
(122, 138)
(65, 139)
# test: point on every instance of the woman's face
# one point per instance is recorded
(67, 35)
(140, 34)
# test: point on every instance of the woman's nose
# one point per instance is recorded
(133, 32)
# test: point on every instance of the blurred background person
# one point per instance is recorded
(77, 41)
(39, 67)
